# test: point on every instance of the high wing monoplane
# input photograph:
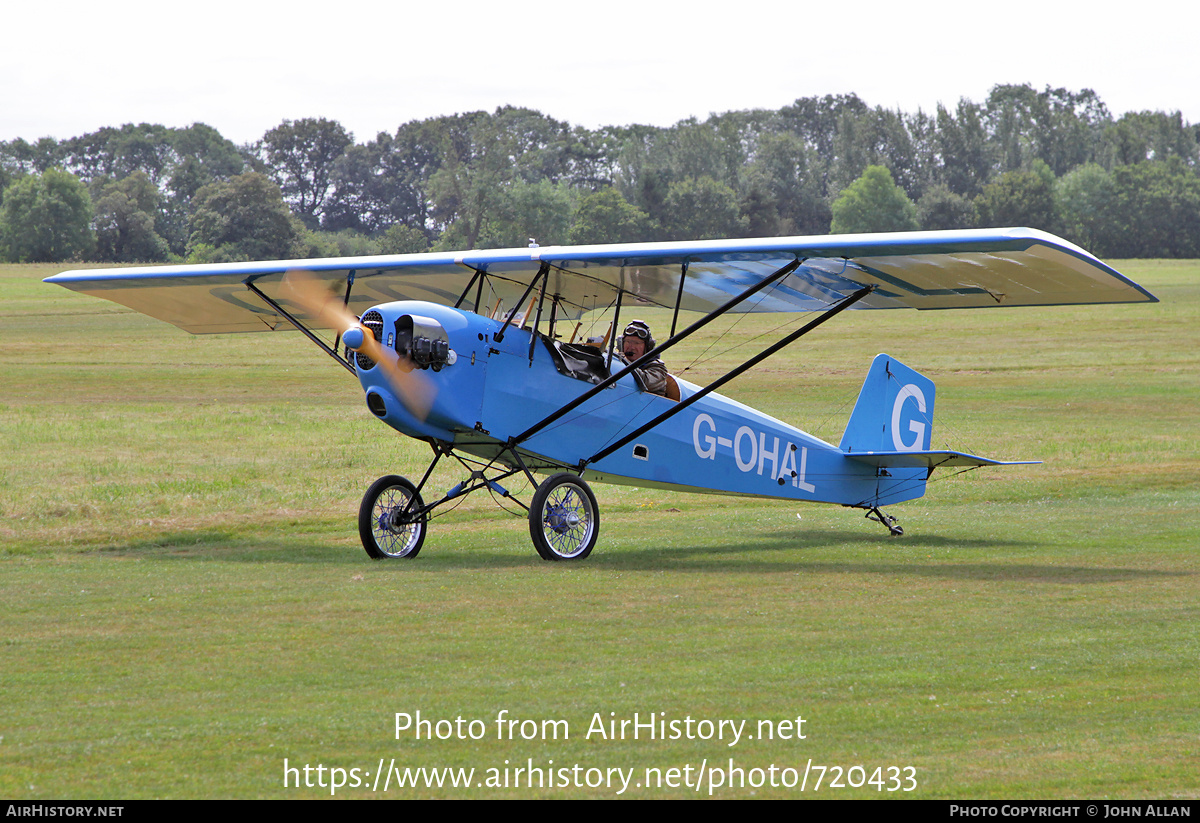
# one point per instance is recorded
(475, 353)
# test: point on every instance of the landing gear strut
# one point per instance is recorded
(889, 522)
(564, 519)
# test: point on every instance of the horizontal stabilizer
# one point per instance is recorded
(932, 460)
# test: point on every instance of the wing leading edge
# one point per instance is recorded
(922, 270)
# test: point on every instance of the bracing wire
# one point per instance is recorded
(700, 359)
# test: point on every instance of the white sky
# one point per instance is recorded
(68, 67)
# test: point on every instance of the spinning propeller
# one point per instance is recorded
(327, 310)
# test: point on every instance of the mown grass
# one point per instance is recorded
(186, 603)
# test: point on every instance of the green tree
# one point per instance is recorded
(539, 143)
(402, 239)
(243, 218)
(20, 157)
(712, 149)
(539, 212)
(605, 216)
(1156, 208)
(205, 154)
(872, 203)
(202, 156)
(877, 137)
(1087, 197)
(1059, 127)
(941, 208)
(781, 179)
(964, 153)
(1070, 133)
(702, 209)
(387, 181)
(300, 156)
(46, 218)
(1152, 135)
(468, 187)
(126, 211)
(178, 162)
(643, 172)
(372, 189)
(345, 243)
(118, 152)
(759, 208)
(815, 120)
(1024, 197)
(591, 156)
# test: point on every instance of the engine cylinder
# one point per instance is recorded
(423, 340)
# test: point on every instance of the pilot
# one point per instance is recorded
(636, 341)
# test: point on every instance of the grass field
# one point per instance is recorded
(186, 604)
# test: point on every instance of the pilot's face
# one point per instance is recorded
(633, 347)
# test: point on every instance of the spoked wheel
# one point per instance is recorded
(564, 520)
(383, 524)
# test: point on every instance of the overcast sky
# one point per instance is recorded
(68, 68)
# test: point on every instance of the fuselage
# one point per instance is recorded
(490, 390)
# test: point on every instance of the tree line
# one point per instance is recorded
(1052, 159)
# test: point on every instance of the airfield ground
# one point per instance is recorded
(187, 611)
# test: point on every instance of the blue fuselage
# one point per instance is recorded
(492, 391)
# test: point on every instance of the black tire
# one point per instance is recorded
(564, 520)
(385, 532)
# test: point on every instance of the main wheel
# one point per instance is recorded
(564, 520)
(385, 528)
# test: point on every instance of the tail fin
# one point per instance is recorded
(894, 412)
(891, 428)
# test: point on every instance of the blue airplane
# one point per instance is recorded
(474, 353)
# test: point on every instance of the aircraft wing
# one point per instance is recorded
(923, 270)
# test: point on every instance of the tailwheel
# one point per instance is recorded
(892, 524)
(385, 522)
(564, 520)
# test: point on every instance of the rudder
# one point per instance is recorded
(894, 410)
(893, 413)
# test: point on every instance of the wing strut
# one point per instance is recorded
(679, 296)
(612, 330)
(537, 320)
(553, 315)
(845, 303)
(653, 353)
(544, 271)
(476, 276)
(337, 341)
(300, 327)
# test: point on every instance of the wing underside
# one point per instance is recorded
(921, 270)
